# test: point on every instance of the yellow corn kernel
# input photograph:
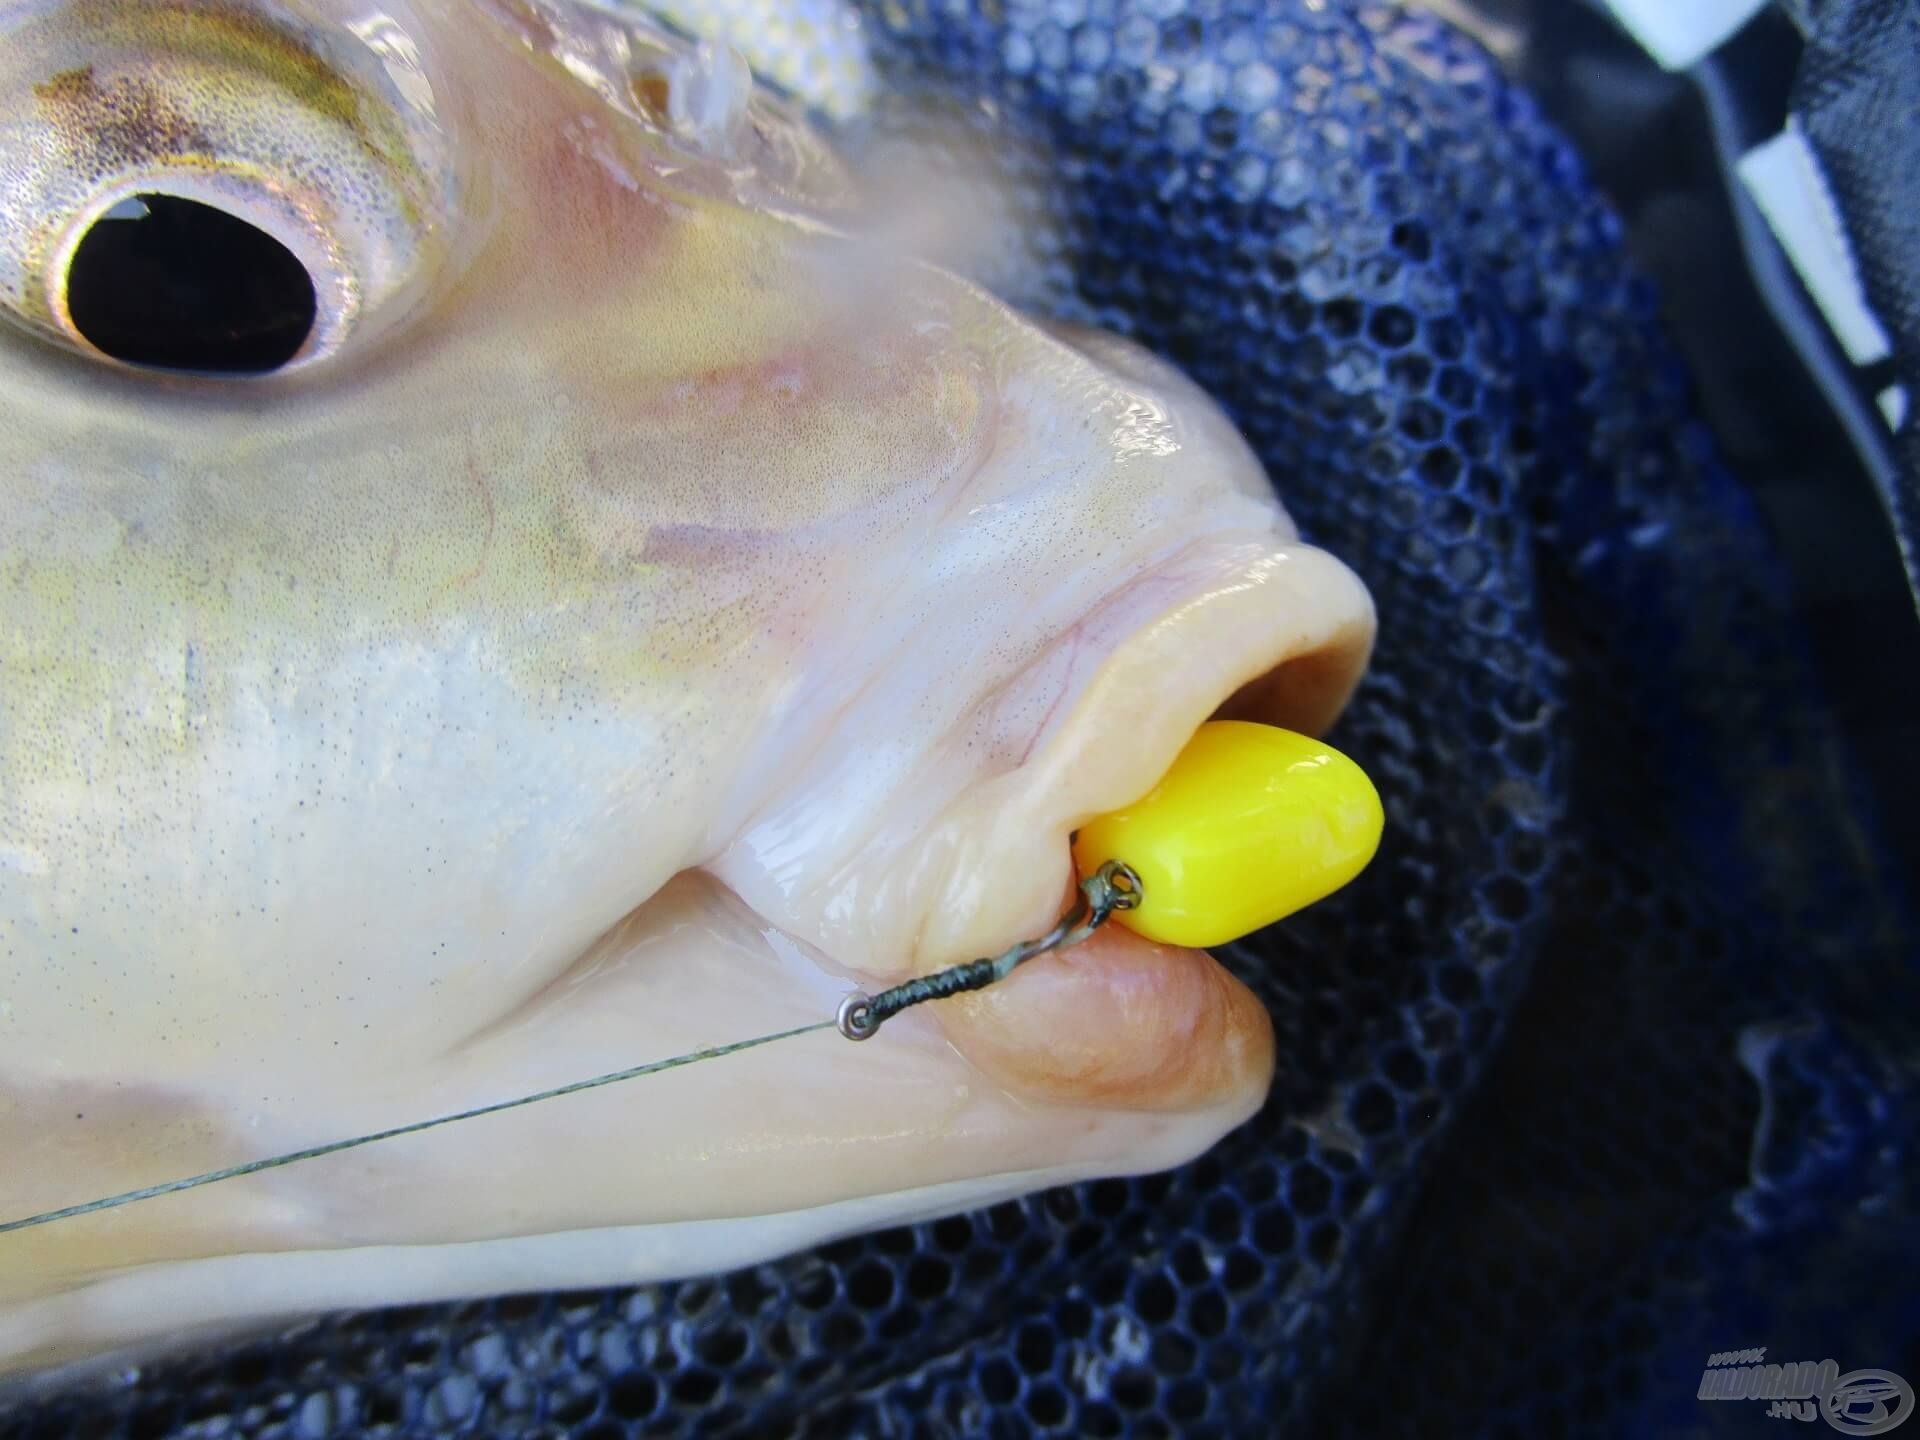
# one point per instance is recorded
(1250, 824)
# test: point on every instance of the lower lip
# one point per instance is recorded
(1118, 1020)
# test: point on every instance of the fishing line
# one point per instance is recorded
(1113, 887)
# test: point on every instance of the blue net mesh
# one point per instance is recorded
(1607, 1063)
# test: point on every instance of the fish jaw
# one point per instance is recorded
(504, 700)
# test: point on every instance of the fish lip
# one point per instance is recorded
(1265, 626)
(1248, 619)
(1280, 632)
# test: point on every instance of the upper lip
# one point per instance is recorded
(1135, 677)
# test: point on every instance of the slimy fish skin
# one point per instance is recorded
(631, 614)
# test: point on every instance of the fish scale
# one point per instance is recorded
(1508, 1179)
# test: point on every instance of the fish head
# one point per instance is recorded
(622, 610)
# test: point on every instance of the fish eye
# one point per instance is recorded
(233, 189)
(172, 284)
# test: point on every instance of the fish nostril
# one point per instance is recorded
(700, 94)
(652, 92)
(170, 283)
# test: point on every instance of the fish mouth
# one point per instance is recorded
(1278, 636)
(1252, 626)
(1116, 1056)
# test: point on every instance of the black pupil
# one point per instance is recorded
(172, 283)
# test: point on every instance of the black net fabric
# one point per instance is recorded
(1857, 93)
(1609, 1060)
